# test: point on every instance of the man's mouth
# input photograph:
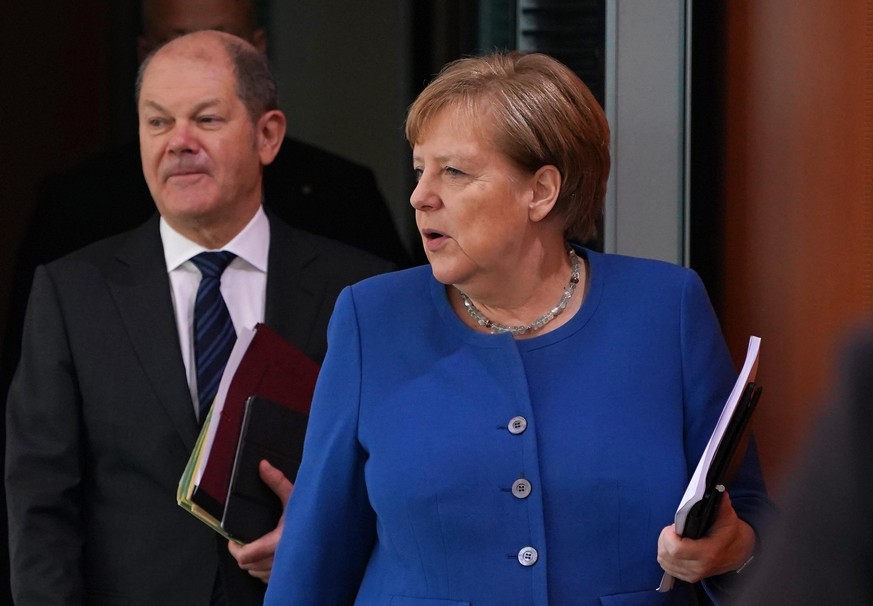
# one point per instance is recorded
(183, 170)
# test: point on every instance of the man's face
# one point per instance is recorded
(200, 150)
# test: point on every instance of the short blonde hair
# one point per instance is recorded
(540, 113)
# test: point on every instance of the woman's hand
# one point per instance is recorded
(728, 545)
(257, 557)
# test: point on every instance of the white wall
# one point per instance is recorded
(647, 104)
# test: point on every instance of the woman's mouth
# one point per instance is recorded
(433, 239)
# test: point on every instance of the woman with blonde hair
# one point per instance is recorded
(515, 423)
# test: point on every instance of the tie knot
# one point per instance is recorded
(213, 264)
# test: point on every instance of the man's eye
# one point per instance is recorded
(208, 120)
(155, 122)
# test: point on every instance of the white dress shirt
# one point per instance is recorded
(243, 283)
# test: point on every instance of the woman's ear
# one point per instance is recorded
(271, 133)
(546, 187)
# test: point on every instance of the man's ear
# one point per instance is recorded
(271, 133)
(546, 187)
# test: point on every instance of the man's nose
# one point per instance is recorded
(183, 139)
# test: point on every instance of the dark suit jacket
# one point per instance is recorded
(100, 421)
(305, 186)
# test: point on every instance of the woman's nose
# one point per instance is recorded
(424, 197)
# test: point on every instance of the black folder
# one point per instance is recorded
(269, 431)
(703, 513)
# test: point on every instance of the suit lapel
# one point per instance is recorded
(141, 287)
(293, 302)
(139, 283)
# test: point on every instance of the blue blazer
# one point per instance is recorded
(445, 467)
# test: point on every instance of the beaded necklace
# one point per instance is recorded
(496, 327)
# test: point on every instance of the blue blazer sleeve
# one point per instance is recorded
(341, 532)
(706, 358)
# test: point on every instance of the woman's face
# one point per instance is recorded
(471, 202)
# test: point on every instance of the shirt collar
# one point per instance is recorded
(252, 244)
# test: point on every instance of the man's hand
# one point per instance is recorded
(728, 544)
(257, 557)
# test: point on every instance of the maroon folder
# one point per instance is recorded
(271, 368)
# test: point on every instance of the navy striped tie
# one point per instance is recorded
(214, 334)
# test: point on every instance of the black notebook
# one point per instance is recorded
(269, 431)
(703, 512)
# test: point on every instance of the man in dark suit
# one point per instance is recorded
(103, 410)
(307, 187)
